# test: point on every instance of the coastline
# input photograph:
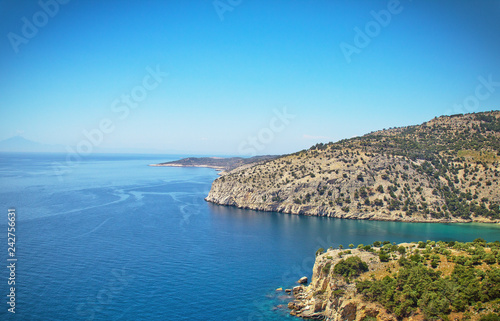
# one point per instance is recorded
(220, 164)
(217, 168)
(354, 216)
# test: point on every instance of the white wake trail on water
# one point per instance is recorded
(122, 197)
(94, 229)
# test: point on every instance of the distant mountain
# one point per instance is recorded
(445, 170)
(21, 144)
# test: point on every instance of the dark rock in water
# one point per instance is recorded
(284, 297)
(288, 291)
(296, 305)
(302, 280)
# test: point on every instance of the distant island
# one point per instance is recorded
(444, 170)
(218, 163)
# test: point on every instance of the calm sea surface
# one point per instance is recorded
(110, 238)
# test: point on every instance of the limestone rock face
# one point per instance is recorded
(330, 297)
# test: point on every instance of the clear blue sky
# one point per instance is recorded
(227, 77)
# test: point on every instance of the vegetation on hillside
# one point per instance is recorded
(420, 280)
(446, 169)
(350, 267)
(470, 284)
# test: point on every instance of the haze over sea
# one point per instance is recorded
(114, 239)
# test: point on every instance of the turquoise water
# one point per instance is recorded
(114, 239)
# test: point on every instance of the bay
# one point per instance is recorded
(109, 238)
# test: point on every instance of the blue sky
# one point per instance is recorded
(232, 65)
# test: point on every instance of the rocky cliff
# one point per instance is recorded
(330, 296)
(445, 170)
(409, 281)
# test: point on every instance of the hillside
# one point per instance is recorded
(445, 170)
(409, 281)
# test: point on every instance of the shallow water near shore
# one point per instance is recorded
(115, 239)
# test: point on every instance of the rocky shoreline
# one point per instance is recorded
(218, 168)
(325, 212)
(330, 297)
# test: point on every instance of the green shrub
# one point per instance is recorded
(490, 317)
(350, 267)
(338, 292)
(489, 259)
(319, 292)
(384, 257)
(479, 241)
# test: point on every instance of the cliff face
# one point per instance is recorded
(409, 281)
(330, 297)
(446, 170)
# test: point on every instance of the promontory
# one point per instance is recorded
(444, 170)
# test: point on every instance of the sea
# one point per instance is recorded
(107, 237)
